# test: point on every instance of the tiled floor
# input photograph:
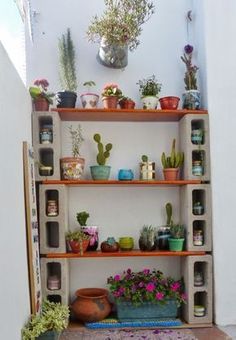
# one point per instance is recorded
(230, 330)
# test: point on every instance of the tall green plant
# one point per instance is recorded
(67, 71)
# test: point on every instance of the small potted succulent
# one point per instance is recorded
(147, 238)
(78, 240)
(149, 89)
(111, 95)
(91, 231)
(89, 99)
(171, 164)
(49, 324)
(126, 103)
(40, 95)
(101, 171)
(176, 240)
(147, 169)
(72, 167)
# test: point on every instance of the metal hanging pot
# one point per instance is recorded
(112, 55)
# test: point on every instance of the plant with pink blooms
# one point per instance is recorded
(146, 285)
(111, 89)
(40, 90)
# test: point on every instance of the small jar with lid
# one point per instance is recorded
(52, 208)
(198, 279)
(199, 310)
(197, 168)
(46, 134)
(53, 282)
(198, 237)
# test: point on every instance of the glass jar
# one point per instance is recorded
(197, 136)
(46, 134)
(198, 279)
(162, 238)
(199, 310)
(198, 237)
(197, 168)
(52, 208)
(53, 282)
(198, 208)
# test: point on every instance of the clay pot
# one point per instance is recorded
(171, 174)
(127, 104)
(41, 104)
(91, 304)
(75, 246)
(169, 103)
(110, 102)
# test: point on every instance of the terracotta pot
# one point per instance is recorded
(110, 102)
(127, 104)
(171, 174)
(41, 104)
(169, 103)
(72, 167)
(91, 304)
(75, 246)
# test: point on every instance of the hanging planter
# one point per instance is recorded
(112, 55)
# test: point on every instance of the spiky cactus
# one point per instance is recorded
(147, 238)
(169, 220)
(175, 160)
(102, 155)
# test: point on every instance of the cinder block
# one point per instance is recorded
(186, 124)
(188, 195)
(53, 228)
(197, 295)
(58, 267)
(47, 154)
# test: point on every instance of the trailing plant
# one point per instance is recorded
(82, 218)
(76, 235)
(67, 71)
(40, 90)
(169, 220)
(177, 231)
(149, 86)
(102, 155)
(121, 22)
(175, 160)
(111, 89)
(76, 139)
(190, 77)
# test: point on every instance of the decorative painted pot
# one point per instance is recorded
(125, 175)
(49, 335)
(100, 172)
(197, 136)
(170, 174)
(91, 231)
(191, 100)
(110, 102)
(76, 246)
(126, 104)
(147, 170)
(112, 55)
(149, 102)
(169, 103)
(89, 100)
(91, 304)
(41, 104)
(110, 245)
(176, 244)
(72, 168)
(66, 99)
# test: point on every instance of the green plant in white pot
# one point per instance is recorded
(149, 88)
(49, 324)
(176, 240)
(101, 171)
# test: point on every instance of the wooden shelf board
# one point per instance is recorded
(123, 253)
(116, 182)
(135, 115)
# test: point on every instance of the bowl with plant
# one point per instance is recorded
(118, 29)
(176, 240)
(72, 167)
(90, 230)
(89, 99)
(172, 163)
(40, 95)
(149, 89)
(111, 95)
(78, 240)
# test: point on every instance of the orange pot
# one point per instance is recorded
(110, 102)
(127, 104)
(91, 304)
(171, 174)
(169, 103)
(41, 104)
(75, 246)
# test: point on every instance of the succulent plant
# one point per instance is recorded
(175, 160)
(169, 220)
(102, 155)
(76, 235)
(147, 238)
(177, 231)
(82, 218)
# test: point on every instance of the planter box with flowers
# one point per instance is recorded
(146, 295)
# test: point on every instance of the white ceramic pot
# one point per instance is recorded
(89, 100)
(149, 102)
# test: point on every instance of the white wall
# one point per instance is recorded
(15, 108)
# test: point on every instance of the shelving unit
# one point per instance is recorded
(55, 258)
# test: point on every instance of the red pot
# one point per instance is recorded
(169, 103)
(75, 246)
(110, 102)
(41, 104)
(127, 104)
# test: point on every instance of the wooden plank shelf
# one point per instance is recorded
(123, 253)
(119, 115)
(116, 182)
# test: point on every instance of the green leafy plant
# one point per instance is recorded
(54, 316)
(76, 139)
(102, 155)
(175, 160)
(89, 84)
(40, 90)
(82, 218)
(121, 22)
(146, 285)
(111, 89)
(67, 71)
(190, 77)
(177, 231)
(76, 235)
(149, 86)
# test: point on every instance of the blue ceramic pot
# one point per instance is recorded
(100, 172)
(125, 175)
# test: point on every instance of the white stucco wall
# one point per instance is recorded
(15, 127)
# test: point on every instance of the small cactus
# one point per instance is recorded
(175, 160)
(102, 155)
(169, 220)
(177, 231)
(144, 158)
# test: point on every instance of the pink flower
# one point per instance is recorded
(150, 287)
(117, 277)
(175, 286)
(159, 296)
(146, 271)
(184, 296)
(110, 85)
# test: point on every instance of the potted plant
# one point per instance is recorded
(49, 324)
(91, 231)
(176, 240)
(172, 163)
(147, 169)
(146, 294)
(101, 171)
(149, 89)
(126, 103)
(147, 238)
(118, 29)
(67, 72)
(72, 167)
(164, 231)
(111, 95)
(78, 240)
(40, 95)
(169, 102)
(89, 99)
(191, 98)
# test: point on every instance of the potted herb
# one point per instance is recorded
(126, 103)
(191, 98)
(67, 72)
(111, 95)
(171, 164)
(118, 29)
(147, 169)
(89, 99)
(101, 171)
(78, 240)
(147, 238)
(176, 239)
(72, 167)
(40, 95)
(91, 231)
(149, 89)
(49, 324)
(147, 294)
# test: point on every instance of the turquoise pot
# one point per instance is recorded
(176, 244)
(100, 172)
(49, 335)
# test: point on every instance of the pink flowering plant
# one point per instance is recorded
(111, 89)
(40, 90)
(146, 285)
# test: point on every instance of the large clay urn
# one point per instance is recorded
(91, 304)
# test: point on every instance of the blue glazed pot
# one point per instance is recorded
(191, 100)
(125, 175)
(100, 172)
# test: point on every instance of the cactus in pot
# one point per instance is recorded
(147, 238)
(172, 163)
